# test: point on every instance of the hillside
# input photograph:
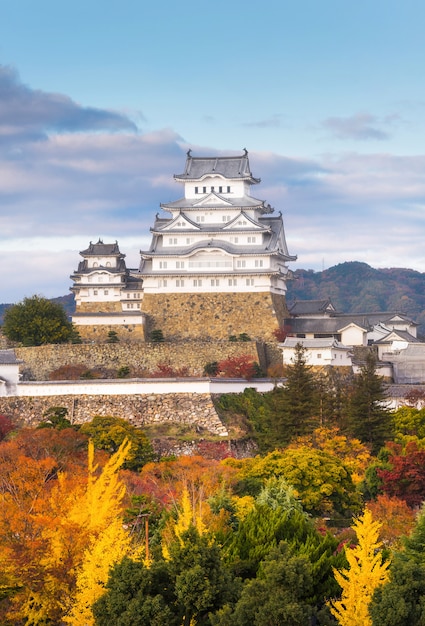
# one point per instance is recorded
(356, 287)
(353, 287)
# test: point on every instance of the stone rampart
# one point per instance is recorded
(141, 358)
(183, 408)
(215, 315)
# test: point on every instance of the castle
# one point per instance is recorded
(217, 265)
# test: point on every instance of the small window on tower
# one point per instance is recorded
(196, 189)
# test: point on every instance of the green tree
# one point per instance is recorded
(295, 407)
(369, 418)
(109, 432)
(138, 595)
(36, 321)
(401, 602)
(278, 596)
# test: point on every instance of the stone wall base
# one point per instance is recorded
(215, 315)
(99, 333)
(183, 408)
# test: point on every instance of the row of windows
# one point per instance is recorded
(199, 282)
(132, 305)
(135, 295)
(220, 189)
(216, 263)
(173, 241)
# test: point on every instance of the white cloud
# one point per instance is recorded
(360, 127)
(58, 193)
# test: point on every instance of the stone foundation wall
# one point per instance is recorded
(142, 358)
(215, 315)
(182, 408)
(99, 333)
(96, 307)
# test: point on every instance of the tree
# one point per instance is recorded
(401, 602)
(36, 321)
(369, 418)
(138, 595)
(280, 595)
(366, 572)
(109, 432)
(405, 478)
(294, 408)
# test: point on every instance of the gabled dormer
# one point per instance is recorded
(180, 223)
(212, 200)
(244, 221)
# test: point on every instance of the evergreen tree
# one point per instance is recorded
(36, 321)
(278, 596)
(295, 407)
(369, 418)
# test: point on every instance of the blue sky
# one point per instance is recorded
(99, 101)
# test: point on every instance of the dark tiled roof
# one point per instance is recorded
(402, 334)
(308, 307)
(102, 249)
(8, 357)
(229, 167)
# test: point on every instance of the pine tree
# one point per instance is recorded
(295, 406)
(365, 574)
(369, 420)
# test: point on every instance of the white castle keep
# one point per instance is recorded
(217, 253)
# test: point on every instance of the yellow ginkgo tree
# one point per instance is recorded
(366, 572)
(100, 514)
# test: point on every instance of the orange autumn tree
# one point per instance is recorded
(397, 519)
(50, 524)
(365, 573)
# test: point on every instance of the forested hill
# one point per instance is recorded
(356, 287)
(67, 302)
(353, 287)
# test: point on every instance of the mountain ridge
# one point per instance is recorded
(353, 287)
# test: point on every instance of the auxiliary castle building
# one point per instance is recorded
(218, 260)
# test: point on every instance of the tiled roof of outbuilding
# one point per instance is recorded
(8, 357)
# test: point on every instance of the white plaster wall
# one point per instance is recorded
(107, 320)
(353, 336)
(139, 386)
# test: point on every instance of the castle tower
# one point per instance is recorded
(218, 261)
(108, 298)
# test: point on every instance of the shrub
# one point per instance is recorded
(113, 337)
(242, 366)
(211, 369)
(157, 335)
(233, 338)
(123, 372)
(6, 426)
(244, 337)
(68, 372)
(167, 371)
(280, 334)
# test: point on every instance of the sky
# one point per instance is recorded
(100, 101)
